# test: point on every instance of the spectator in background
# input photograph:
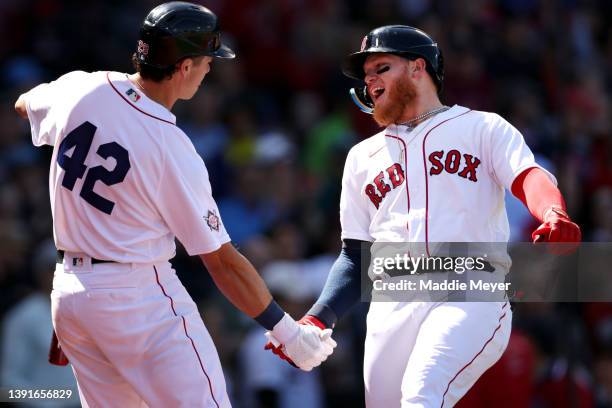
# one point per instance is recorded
(509, 382)
(268, 381)
(603, 376)
(247, 212)
(26, 333)
(602, 215)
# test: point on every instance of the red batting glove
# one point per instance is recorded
(277, 350)
(558, 228)
(306, 320)
(56, 354)
(313, 321)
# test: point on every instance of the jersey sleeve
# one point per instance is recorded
(39, 105)
(354, 216)
(185, 199)
(509, 154)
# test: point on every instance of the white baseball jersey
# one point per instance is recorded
(443, 181)
(124, 179)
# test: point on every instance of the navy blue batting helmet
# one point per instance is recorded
(178, 29)
(404, 41)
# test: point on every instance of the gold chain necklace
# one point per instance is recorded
(139, 84)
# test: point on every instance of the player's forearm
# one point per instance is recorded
(342, 289)
(537, 192)
(238, 280)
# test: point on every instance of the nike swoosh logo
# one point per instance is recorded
(379, 149)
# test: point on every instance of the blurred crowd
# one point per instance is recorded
(274, 127)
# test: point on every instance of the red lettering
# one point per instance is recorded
(396, 174)
(383, 188)
(371, 193)
(378, 189)
(434, 158)
(471, 163)
(453, 159)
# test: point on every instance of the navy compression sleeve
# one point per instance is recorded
(342, 289)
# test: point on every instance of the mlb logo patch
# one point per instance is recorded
(77, 261)
(133, 95)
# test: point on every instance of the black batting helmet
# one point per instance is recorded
(178, 29)
(405, 41)
(401, 40)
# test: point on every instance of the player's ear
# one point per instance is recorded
(419, 65)
(185, 66)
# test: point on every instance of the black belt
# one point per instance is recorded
(60, 258)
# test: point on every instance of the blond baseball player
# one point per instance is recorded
(124, 182)
(433, 174)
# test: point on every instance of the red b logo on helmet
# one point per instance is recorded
(143, 48)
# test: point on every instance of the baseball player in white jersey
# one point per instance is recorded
(124, 182)
(434, 174)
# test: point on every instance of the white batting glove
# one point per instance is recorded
(307, 346)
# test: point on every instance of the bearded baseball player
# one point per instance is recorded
(434, 174)
(124, 182)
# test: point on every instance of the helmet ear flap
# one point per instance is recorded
(360, 96)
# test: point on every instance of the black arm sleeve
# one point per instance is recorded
(343, 287)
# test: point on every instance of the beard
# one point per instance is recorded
(401, 94)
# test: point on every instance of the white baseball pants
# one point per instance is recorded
(134, 336)
(426, 354)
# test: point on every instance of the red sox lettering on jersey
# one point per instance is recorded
(443, 181)
(378, 189)
(451, 162)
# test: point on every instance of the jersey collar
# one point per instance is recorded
(137, 99)
(401, 129)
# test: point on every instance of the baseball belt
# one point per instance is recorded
(60, 258)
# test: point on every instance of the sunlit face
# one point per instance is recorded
(194, 75)
(389, 86)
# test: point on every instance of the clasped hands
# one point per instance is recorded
(304, 344)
